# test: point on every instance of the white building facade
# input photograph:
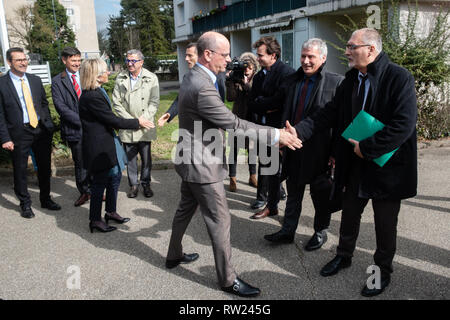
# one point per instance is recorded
(291, 21)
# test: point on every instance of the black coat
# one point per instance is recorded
(305, 164)
(11, 113)
(265, 94)
(393, 102)
(99, 122)
(66, 104)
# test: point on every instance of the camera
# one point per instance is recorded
(237, 68)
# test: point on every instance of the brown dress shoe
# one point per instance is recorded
(233, 186)
(264, 213)
(252, 181)
(82, 199)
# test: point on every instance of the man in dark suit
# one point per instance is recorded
(66, 92)
(387, 92)
(191, 58)
(266, 102)
(202, 164)
(306, 91)
(25, 125)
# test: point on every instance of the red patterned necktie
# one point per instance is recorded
(301, 102)
(76, 86)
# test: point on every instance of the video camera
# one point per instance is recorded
(237, 68)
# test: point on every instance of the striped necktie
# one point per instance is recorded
(76, 86)
(32, 116)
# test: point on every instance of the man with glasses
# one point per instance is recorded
(202, 167)
(66, 93)
(25, 125)
(191, 58)
(136, 94)
(387, 92)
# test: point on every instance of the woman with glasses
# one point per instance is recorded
(103, 155)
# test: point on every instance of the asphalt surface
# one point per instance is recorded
(41, 258)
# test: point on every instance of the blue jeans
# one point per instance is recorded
(101, 181)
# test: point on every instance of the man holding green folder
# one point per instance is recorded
(375, 89)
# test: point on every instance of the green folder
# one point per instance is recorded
(363, 126)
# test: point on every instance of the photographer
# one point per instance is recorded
(238, 86)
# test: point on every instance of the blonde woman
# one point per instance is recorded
(103, 156)
(238, 89)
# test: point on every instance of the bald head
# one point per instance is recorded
(213, 51)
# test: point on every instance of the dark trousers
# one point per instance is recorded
(232, 165)
(293, 210)
(386, 217)
(269, 186)
(81, 177)
(101, 181)
(40, 141)
(144, 149)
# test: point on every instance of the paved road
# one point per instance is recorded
(40, 257)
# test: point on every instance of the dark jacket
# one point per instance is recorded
(66, 104)
(265, 94)
(11, 113)
(305, 164)
(239, 93)
(392, 100)
(99, 122)
(173, 109)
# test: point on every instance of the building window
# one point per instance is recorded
(69, 12)
(287, 48)
(180, 13)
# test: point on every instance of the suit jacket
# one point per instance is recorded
(392, 100)
(305, 164)
(99, 122)
(200, 109)
(173, 110)
(11, 113)
(66, 104)
(266, 94)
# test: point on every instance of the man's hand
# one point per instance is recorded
(356, 148)
(144, 123)
(162, 121)
(8, 146)
(288, 137)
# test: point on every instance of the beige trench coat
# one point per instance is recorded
(143, 100)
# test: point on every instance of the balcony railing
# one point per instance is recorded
(243, 11)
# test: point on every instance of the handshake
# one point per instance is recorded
(288, 137)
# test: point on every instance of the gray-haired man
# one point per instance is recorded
(136, 94)
(308, 90)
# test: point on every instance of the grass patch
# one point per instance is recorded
(162, 146)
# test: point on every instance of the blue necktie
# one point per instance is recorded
(217, 86)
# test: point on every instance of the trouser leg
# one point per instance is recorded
(145, 151)
(293, 206)
(81, 177)
(131, 149)
(112, 188)
(42, 148)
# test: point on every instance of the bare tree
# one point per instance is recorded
(19, 29)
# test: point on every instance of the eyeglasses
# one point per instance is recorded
(127, 61)
(21, 60)
(356, 46)
(225, 55)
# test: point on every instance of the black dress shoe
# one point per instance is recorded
(27, 213)
(133, 192)
(187, 258)
(279, 237)
(333, 267)
(148, 193)
(115, 217)
(316, 241)
(100, 226)
(366, 292)
(258, 204)
(242, 289)
(50, 205)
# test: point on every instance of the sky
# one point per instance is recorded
(103, 9)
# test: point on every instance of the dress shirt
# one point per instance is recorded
(133, 81)
(18, 86)
(77, 77)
